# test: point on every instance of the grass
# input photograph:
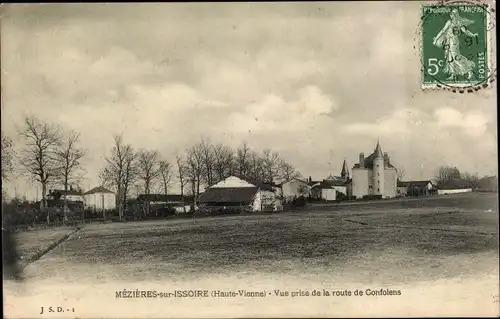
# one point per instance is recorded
(441, 252)
(439, 237)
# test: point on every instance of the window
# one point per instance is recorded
(378, 182)
(378, 189)
(377, 165)
(378, 174)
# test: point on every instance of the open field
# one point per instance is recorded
(425, 247)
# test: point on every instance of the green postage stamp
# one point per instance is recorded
(455, 45)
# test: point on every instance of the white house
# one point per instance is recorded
(234, 192)
(453, 191)
(71, 195)
(99, 198)
(295, 188)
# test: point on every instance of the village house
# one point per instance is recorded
(99, 199)
(235, 193)
(70, 195)
(333, 187)
(374, 176)
(294, 188)
(181, 203)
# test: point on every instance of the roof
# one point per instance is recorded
(378, 151)
(99, 189)
(311, 183)
(330, 183)
(232, 182)
(344, 171)
(369, 162)
(420, 183)
(62, 192)
(163, 198)
(296, 179)
(403, 184)
(228, 195)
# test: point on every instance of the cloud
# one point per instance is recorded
(319, 82)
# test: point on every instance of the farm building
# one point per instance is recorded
(234, 192)
(99, 198)
(181, 203)
(330, 188)
(294, 188)
(416, 188)
(70, 195)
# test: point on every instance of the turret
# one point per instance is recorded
(344, 174)
(378, 171)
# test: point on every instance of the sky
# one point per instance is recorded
(317, 82)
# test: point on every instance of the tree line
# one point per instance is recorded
(51, 155)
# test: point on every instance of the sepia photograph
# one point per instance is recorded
(249, 159)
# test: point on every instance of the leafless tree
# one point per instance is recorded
(271, 164)
(223, 161)
(241, 160)
(400, 173)
(447, 175)
(119, 171)
(148, 172)
(148, 168)
(38, 157)
(69, 156)
(181, 175)
(166, 175)
(206, 151)
(194, 167)
(255, 167)
(287, 171)
(7, 157)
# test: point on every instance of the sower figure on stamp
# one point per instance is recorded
(448, 38)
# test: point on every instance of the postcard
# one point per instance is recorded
(250, 159)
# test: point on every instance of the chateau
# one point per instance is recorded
(374, 175)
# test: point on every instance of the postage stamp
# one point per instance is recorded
(455, 45)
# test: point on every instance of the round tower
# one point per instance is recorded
(378, 171)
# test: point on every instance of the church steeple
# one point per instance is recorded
(378, 150)
(345, 171)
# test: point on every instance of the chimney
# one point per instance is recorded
(361, 160)
(310, 180)
(386, 159)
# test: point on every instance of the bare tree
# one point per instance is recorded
(118, 171)
(205, 149)
(242, 161)
(148, 171)
(166, 175)
(7, 157)
(287, 171)
(223, 162)
(447, 176)
(38, 157)
(194, 167)
(148, 168)
(400, 173)
(271, 162)
(181, 175)
(69, 156)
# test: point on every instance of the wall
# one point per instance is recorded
(341, 189)
(454, 191)
(291, 188)
(360, 179)
(328, 194)
(73, 198)
(263, 198)
(94, 201)
(390, 182)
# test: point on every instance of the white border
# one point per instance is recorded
(489, 52)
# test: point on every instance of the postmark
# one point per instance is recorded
(456, 48)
